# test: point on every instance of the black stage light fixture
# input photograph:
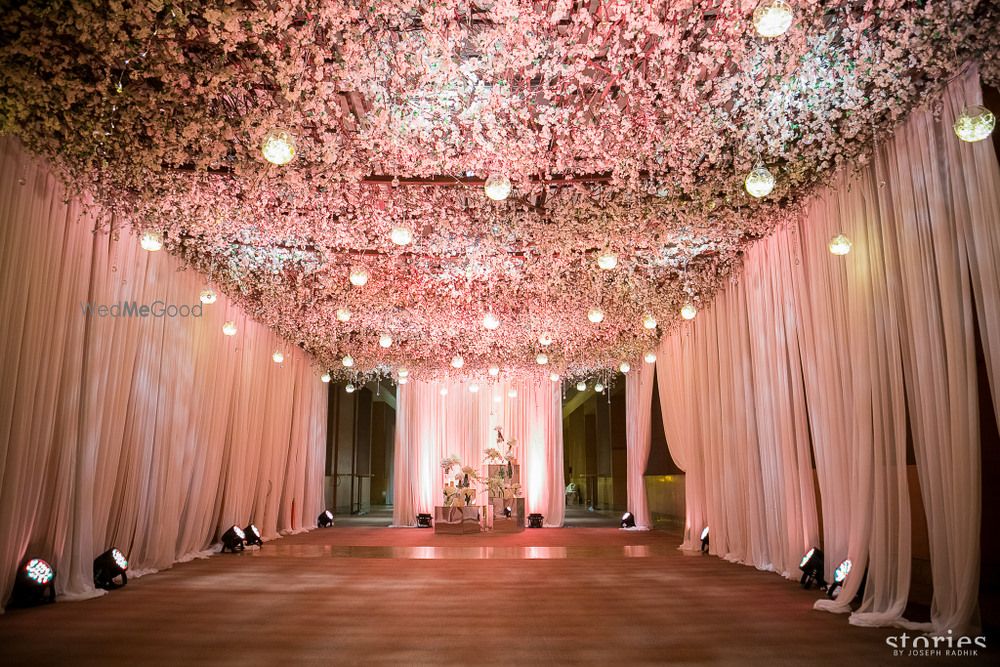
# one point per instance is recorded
(839, 577)
(507, 511)
(812, 568)
(704, 540)
(253, 536)
(35, 583)
(232, 539)
(628, 521)
(423, 520)
(325, 519)
(109, 566)
(535, 520)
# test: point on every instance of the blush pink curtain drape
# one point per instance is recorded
(150, 434)
(430, 426)
(860, 348)
(638, 423)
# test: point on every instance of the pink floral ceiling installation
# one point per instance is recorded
(625, 128)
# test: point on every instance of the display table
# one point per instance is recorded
(456, 520)
(512, 524)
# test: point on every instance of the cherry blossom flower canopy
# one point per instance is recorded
(316, 157)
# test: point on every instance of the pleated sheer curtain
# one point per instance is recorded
(846, 354)
(152, 434)
(638, 424)
(431, 425)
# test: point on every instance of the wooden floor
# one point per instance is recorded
(374, 595)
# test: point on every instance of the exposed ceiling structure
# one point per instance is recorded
(625, 129)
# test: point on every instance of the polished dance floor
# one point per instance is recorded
(359, 593)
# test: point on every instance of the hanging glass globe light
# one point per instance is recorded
(497, 187)
(649, 322)
(402, 372)
(402, 380)
(688, 311)
(624, 367)
(348, 361)
(401, 235)
(595, 315)
(494, 371)
(151, 241)
(599, 388)
(278, 356)
(325, 378)
(840, 245)
(207, 297)
(349, 388)
(542, 359)
(474, 388)
(457, 361)
(608, 261)
(278, 147)
(554, 377)
(975, 123)
(385, 340)
(759, 182)
(343, 314)
(443, 391)
(491, 321)
(512, 393)
(773, 18)
(359, 276)
(650, 357)
(581, 386)
(545, 339)
(229, 328)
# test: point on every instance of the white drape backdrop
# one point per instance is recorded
(857, 347)
(638, 422)
(149, 434)
(430, 426)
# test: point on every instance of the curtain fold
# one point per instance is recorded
(638, 422)
(852, 355)
(152, 434)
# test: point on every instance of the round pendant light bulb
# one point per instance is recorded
(975, 123)
(773, 18)
(278, 147)
(759, 182)
(497, 187)
(401, 235)
(840, 245)
(359, 276)
(688, 311)
(151, 241)
(595, 315)
(608, 261)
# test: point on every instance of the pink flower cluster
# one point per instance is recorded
(624, 127)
